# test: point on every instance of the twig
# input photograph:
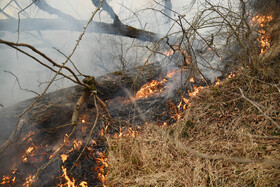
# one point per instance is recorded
(12, 44)
(20, 85)
(77, 108)
(105, 109)
(69, 60)
(91, 131)
(10, 141)
(256, 105)
(53, 155)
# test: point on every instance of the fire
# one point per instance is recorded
(6, 179)
(150, 89)
(264, 38)
(63, 157)
(70, 183)
(102, 164)
(28, 136)
(29, 180)
(170, 74)
(127, 133)
(196, 91)
(83, 184)
(192, 79)
(77, 144)
(29, 152)
(155, 86)
(9, 179)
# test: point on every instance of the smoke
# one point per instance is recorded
(97, 54)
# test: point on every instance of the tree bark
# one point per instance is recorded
(38, 24)
(56, 108)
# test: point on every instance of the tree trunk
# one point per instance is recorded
(39, 24)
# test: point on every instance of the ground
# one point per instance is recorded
(229, 135)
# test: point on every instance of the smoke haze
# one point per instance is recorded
(97, 54)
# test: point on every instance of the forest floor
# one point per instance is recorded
(228, 136)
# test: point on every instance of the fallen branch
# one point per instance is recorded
(256, 105)
(91, 131)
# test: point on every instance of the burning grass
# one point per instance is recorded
(223, 139)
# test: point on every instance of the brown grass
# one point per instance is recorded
(223, 140)
(229, 135)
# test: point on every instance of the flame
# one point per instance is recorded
(83, 184)
(77, 144)
(63, 157)
(170, 74)
(183, 52)
(192, 79)
(102, 164)
(6, 179)
(29, 180)
(28, 153)
(130, 132)
(155, 86)
(196, 90)
(28, 136)
(70, 183)
(264, 38)
(150, 88)
(83, 121)
(29, 150)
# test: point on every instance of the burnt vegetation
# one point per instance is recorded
(201, 110)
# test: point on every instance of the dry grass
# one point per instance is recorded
(223, 140)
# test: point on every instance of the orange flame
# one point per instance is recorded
(150, 88)
(6, 179)
(127, 133)
(63, 157)
(155, 86)
(29, 152)
(77, 144)
(70, 183)
(29, 180)
(170, 74)
(264, 38)
(83, 184)
(102, 164)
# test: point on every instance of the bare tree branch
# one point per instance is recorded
(19, 83)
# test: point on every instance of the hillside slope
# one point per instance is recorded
(229, 136)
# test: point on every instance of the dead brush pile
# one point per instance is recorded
(229, 136)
